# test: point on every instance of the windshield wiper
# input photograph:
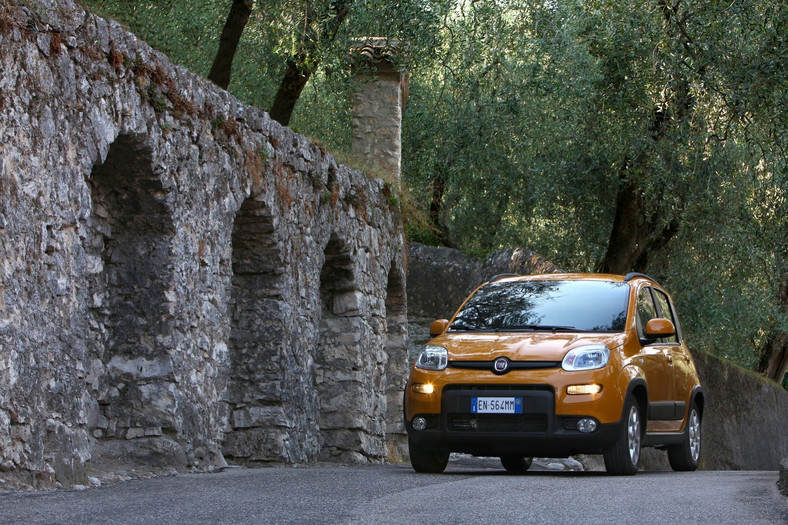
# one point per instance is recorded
(456, 325)
(539, 328)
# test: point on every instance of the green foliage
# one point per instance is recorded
(532, 113)
(527, 114)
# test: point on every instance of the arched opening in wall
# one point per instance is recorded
(132, 233)
(397, 362)
(340, 362)
(258, 335)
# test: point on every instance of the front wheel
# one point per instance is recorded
(427, 461)
(622, 458)
(516, 464)
(686, 456)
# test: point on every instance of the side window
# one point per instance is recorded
(666, 311)
(646, 309)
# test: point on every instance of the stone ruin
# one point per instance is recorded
(184, 281)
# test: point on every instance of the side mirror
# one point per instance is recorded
(660, 327)
(438, 327)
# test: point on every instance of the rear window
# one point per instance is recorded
(581, 306)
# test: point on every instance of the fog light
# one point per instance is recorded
(419, 423)
(583, 389)
(423, 388)
(587, 425)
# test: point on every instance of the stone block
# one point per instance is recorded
(349, 304)
(268, 417)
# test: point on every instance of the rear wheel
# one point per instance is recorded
(516, 464)
(685, 457)
(622, 458)
(427, 461)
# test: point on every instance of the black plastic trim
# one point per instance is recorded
(662, 439)
(513, 365)
(698, 392)
(557, 442)
(666, 410)
(631, 275)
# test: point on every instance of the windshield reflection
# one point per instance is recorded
(577, 306)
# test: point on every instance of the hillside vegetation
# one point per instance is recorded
(605, 135)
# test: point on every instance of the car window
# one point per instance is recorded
(666, 311)
(646, 309)
(583, 306)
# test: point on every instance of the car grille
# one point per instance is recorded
(497, 422)
(493, 387)
(512, 365)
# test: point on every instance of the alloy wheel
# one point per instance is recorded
(633, 434)
(694, 435)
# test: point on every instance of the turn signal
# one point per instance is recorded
(423, 388)
(583, 389)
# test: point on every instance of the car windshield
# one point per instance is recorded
(576, 306)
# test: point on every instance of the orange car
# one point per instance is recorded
(555, 365)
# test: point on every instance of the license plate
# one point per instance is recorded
(496, 405)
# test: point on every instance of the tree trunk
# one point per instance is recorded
(436, 208)
(293, 83)
(774, 355)
(655, 242)
(628, 234)
(221, 69)
(777, 347)
(634, 237)
(301, 65)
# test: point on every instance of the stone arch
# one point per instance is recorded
(340, 364)
(132, 233)
(259, 331)
(396, 346)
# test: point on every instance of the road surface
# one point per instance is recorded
(470, 491)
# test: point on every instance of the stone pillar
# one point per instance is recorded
(380, 92)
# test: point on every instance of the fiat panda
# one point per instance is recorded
(556, 365)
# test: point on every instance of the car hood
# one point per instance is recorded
(531, 346)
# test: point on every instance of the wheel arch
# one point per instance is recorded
(699, 399)
(638, 389)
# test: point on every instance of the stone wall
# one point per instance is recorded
(746, 416)
(746, 419)
(184, 281)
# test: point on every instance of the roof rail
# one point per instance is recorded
(501, 276)
(632, 275)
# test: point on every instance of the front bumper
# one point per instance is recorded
(537, 431)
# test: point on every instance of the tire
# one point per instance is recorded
(516, 464)
(685, 457)
(427, 461)
(622, 458)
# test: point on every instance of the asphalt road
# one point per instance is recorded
(470, 491)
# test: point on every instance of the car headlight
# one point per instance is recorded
(586, 358)
(433, 357)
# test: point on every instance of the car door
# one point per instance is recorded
(679, 359)
(654, 356)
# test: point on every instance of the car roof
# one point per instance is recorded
(633, 276)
